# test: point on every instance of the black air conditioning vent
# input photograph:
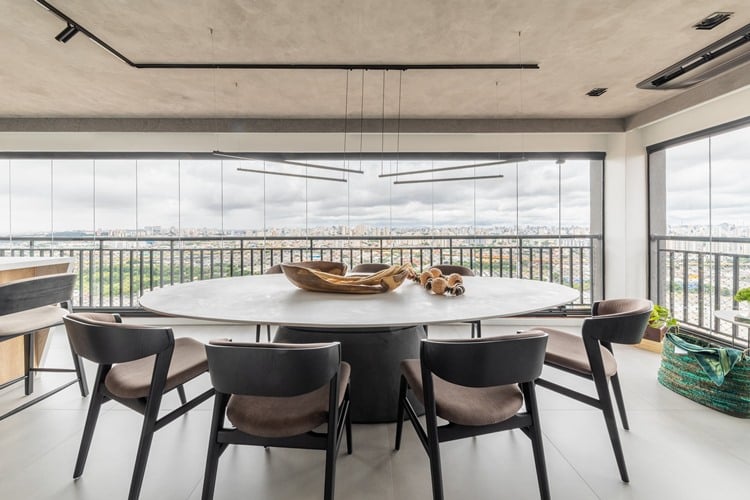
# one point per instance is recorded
(728, 53)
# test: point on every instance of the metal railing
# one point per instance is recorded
(114, 272)
(694, 276)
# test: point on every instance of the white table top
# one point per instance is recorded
(10, 263)
(273, 300)
(729, 315)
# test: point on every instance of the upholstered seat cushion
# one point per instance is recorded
(284, 416)
(133, 379)
(567, 351)
(466, 405)
(31, 320)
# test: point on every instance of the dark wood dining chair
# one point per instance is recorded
(590, 355)
(137, 366)
(476, 326)
(479, 386)
(277, 395)
(28, 306)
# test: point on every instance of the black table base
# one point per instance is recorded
(375, 355)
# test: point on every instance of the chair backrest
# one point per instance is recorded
(30, 293)
(619, 321)
(108, 342)
(487, 361)
(276, 269)
(276, 370)
(371, 267)
(460, 270)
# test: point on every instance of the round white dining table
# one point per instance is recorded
(376, 331)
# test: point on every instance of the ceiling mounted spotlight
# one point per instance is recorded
(66, 34)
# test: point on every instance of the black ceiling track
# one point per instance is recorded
(376, 66)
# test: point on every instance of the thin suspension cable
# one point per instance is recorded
(137, 225)
(520, 93)
(346, 116)
(361, 119)
(10, 206)
(51, 200)
(398, 122)
(382, 146)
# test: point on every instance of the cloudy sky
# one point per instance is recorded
(708, 181)
(63, 195)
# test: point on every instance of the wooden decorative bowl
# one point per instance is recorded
(315, 280)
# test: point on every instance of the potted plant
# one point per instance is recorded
(659, 323)
(742, 297)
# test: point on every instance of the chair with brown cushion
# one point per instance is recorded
(479, 387)
(137, 366)
(476, 326)
(369, 267)
(276, 395)
(28, 306)
(590, 355)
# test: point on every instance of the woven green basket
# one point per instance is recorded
(682, 374)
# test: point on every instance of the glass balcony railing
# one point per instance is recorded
(114, 272)
(694, 276)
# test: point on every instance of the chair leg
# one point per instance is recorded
(479, 329)
(268, 332)
(535, 433)
(214, 447)
(181, 393)
(330, 478)
(602, 389)
(28, 363)
(257, 333)
(433, 452)
(80, 373)
(348, 423)
(473, 329)
(400, 413)
(97, 399)
(620, 401)
(144, 446)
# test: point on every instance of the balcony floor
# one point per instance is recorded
(676, 449)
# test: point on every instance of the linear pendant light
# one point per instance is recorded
(448, 179)
(286, 162)
(285, 174)
(457, 167)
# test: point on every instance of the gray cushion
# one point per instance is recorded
(133, 379)
(466, 405)
(283, 417)
(567, 350)
(31, 320)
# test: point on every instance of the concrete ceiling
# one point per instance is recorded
(578, 45)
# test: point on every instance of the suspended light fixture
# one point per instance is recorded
(287, 174)
(450, 179)
(457, 167)
(271, 159)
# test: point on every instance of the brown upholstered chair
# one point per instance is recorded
(478, 386)
(26, 307)
(137, 366)
(371, 267)
(614, 321)
(476, 326)
(276, 395)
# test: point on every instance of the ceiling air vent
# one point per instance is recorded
(712, 20)
(596, 92)
(721, 56)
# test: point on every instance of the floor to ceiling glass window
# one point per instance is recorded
(134, 222)
(699, 228)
